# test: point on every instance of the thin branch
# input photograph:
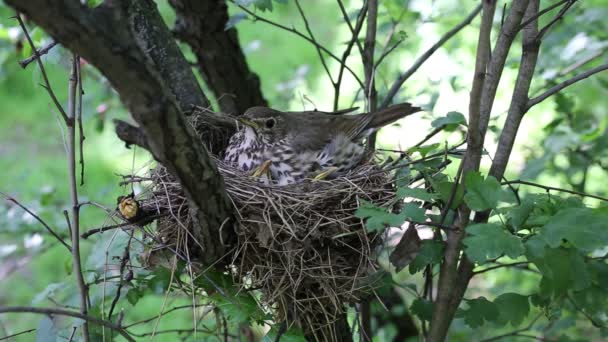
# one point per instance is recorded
(354, 40)
(370, 93)
(46, 226)
(515, 264)
(551, 188)
(517, 107)
(541, 13)
(69, 313)
(16, 334)
(79, 119)
(426, 55)
(47, 85)
(126, 257)
(540, 98)
(25, 62)
(317, 45)
(299, 34)
(90, 232)
(557, 18)
(160, 315)
(76, 263)
(514, 332)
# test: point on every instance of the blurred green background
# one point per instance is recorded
(562, 142)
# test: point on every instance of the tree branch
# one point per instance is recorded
(426, 55)
(302, 35)
(130, 44)
(353, 40)
(43, 51)
(369, 47)
(42, 222)
(69, 313)
(519, 99)
(446, 302)
(552, 91)
(202, 25)
(83, 290)
(312, 37)
(551, 188)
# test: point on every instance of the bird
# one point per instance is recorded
(288, 147)
(128, 207)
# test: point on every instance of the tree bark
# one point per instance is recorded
(201, 24)
(130, 44)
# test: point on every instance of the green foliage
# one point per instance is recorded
(450, 122)
(479, 310)
(513, 308)
(416, 193)
(431, 252)
(481, 194)
(489, 241)
(585, 228)
(422, 308)
(376, 218)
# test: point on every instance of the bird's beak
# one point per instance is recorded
(248, 122)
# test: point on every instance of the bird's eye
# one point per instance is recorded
(270, 123)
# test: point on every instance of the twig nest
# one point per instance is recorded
(299, 244)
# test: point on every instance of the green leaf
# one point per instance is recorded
(422, 308)
(263, 5)
(413, 211)
(518, 215)
(482, 194)
(489, 241)
(557, 265)
(513, 308)
(480, 310)
(293, 334)
(445, 191)
(431, 252)
(450, 122)
(134, 295)
(378, 218)
(585, 228)
(424, 150)
(417, 193)
(241, 308)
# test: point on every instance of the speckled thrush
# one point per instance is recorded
(290, 146)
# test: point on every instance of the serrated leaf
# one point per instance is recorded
(450, 122)
(481, 194)
(480, 310)
(490, 240)
(424, 150)
(413, 211)
(557, 265)
(378, 218)
(431, 252)
(445, 191)
(263, 5)
(513, 308)
(417, 193)
(518, 215)
(585, 228)
(422, 308)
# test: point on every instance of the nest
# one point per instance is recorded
(300, 244)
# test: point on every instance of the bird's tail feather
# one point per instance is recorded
(391, 114)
